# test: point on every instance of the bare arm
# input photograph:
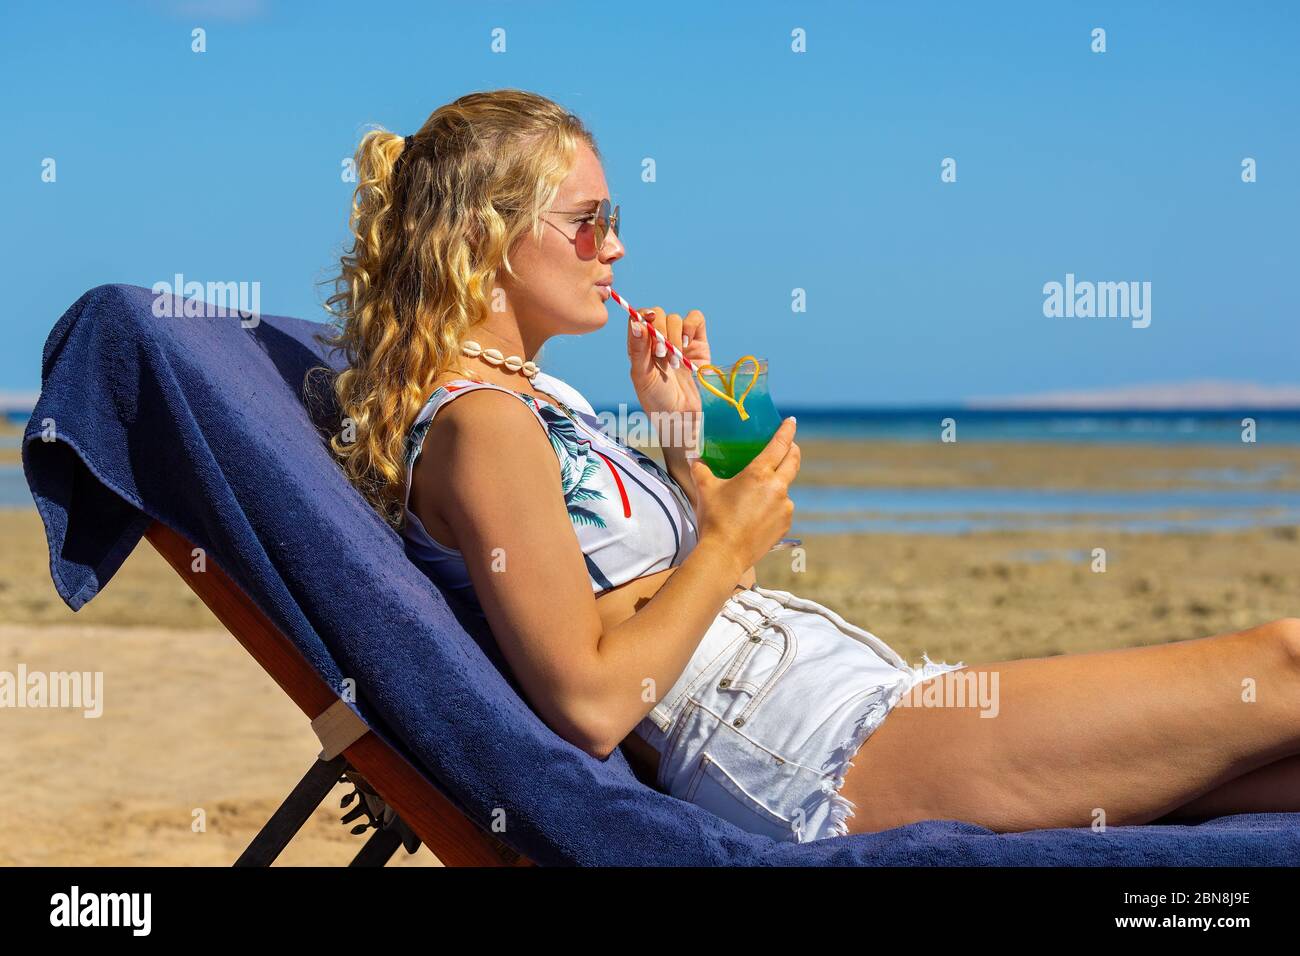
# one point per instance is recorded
(497, 482)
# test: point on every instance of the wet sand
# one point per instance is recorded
(10, 431)
(1047, 465)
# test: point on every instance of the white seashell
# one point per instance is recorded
(512, 363)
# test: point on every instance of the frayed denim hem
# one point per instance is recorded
(841, 807)
(878, 706)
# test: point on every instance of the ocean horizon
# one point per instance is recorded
(922, 423)
(926, 423)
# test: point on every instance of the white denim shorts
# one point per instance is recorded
(761, 727)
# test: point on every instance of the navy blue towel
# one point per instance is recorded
(207, 425)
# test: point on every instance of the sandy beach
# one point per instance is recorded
(191, 722)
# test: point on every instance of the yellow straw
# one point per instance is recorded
(730, 382)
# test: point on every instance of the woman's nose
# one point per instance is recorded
(613, 249)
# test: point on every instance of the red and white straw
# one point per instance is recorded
(649, 324)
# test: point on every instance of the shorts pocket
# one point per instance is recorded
(724, 642)
(753, 671)
(717, 791)
(742, 671)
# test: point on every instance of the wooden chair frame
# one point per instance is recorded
(421, 810)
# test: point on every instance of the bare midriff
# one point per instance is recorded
(614, 607)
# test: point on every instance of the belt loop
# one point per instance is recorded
(768, 615)
(736, 617)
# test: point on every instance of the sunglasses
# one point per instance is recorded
(594, 227)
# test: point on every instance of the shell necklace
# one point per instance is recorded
(511, 363)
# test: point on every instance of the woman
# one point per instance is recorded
(623, 594)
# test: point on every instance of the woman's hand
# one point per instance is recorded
(748, 513)
(661, 388)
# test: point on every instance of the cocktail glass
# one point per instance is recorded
(739, 419)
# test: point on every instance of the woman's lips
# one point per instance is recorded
(604, 292)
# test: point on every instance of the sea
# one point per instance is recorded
(1163, 427)
(1238, 501)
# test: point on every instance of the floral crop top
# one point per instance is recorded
(630, 516)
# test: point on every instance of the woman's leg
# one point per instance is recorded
(1132, 734)
(1274, 788)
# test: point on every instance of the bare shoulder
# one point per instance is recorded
(484, 415)
(473, 437)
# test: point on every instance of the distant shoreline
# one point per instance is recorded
(1156, 427)
(946, 423)
(20, 417)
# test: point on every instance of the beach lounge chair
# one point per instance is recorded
(197, 431)
(402, 808)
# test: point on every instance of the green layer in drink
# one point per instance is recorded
(726, 459)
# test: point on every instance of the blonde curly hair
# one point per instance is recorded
(432, 225)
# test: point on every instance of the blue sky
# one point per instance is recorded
(776, 171)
